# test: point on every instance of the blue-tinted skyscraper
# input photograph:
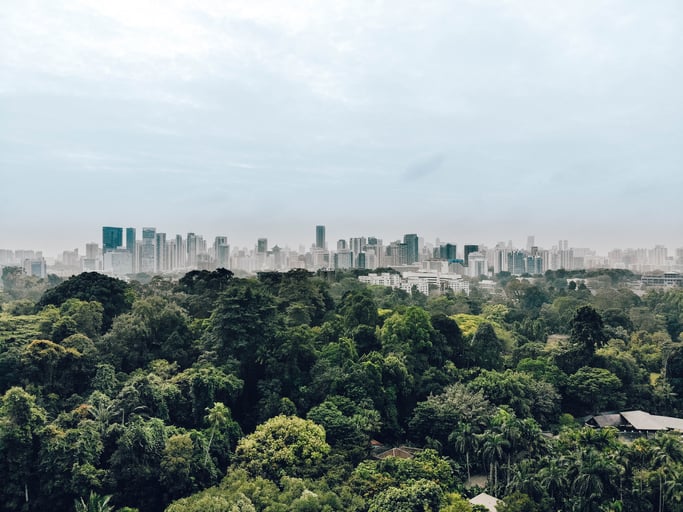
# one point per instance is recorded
(130, 246)
(412, 247)
(320, 237)
(112, 238)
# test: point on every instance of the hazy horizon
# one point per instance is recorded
(332, 235)
(474, 122)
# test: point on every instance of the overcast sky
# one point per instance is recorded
(472, 121)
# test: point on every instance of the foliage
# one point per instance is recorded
(283, 446)
(92, 286)
(149, 401)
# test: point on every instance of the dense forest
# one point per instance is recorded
(217, 393)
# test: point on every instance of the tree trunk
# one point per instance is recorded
(467, 463)
(507, 487)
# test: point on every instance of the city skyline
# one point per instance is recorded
(125, 239)
(467, 120)
(420, 262)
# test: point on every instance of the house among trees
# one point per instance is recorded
(402, 452)
(637, 422)
(485, 500)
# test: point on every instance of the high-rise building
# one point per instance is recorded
(477, 265)
(262, 245)
(448, 251)
(397, 254)
(112, 238)
(161, 252)
(118, 262)
(469, 249)
(35, 267)
(320, 237)
(343, 258)
(130, 245)
(413, 248)
(374, 252)
(516, 262)
(221, 251)
(181, 252)
(92, 251)
(356, 245)
(70, 258)
(191, 258)
(148, 251)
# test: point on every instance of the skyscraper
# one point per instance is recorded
(161, 253)
(221, 251)
(191, 242)
(112, 238)
(262, 245)
(447, 251)
(181, 252)
(147, 251)
(412, 247)
(92, 251)
(469, 249)
(320, 237)
(130, 246)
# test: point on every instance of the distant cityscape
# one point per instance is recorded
(121, 252)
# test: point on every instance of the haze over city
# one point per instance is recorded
(469, 121)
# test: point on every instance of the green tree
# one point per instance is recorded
(135, 464)
(414, 496)
(283, 445)
(518, 502)
(594, 389)
(486, 348)
(44, 359)
(492, 448)
(112, 293)
(21, 425)
(411, 334)
(176, 466)
(218, 417)
(440, 415)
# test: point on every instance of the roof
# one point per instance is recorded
(402, 452)
(637, 420)
(486, 500)
(608, 420)
(641, 420)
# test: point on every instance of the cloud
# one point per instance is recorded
(334, 106)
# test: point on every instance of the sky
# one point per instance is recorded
(470, 121)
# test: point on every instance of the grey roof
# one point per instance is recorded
(608, 420)
(641, 420)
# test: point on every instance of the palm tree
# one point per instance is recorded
(511, 430)
(218, 416)
(593, 475)
(666, 450)
(464, 441)
(673, 487)
(95, 503)
(554, 477)
(492, 447)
